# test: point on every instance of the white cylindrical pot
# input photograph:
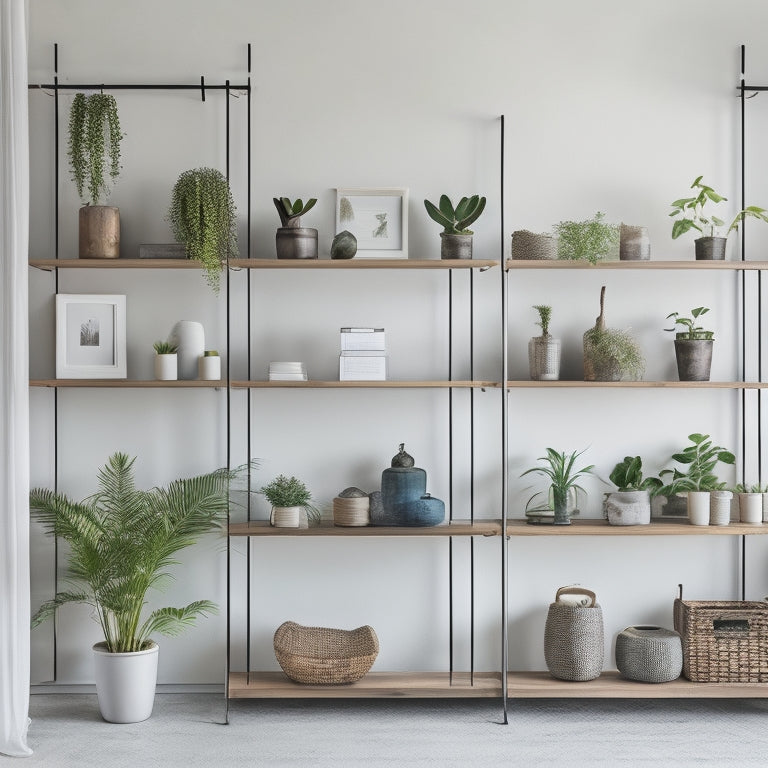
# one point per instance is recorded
(751, 507)
(209, 368)
(544, 358)
(125, 683)
(286, 517)
(720, 507)
(166, 367)
(188, 337)
(698, 507)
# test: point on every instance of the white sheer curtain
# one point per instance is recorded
(14, 382)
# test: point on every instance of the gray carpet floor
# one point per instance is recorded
(188, 730)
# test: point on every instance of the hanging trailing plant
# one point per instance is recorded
(94, 145)
(202, 218)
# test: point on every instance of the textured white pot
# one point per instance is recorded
(628, 508)
(167, 367)
(698, 507)
(188, 337)
(720, 507)
(751, 507)
(285, 517)
(209, 368)
(125, 683)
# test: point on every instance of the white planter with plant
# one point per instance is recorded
(166, 361)
(750, 503)
(94, 154)
(456, 237)
(693, 346)
(631, 503)
(209, 366)
(122, 541)
(291, 503)
(544, 350)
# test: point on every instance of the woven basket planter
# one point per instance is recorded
(649, 654)
(323, 656)
(528, 245)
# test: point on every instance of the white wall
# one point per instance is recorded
(609, 106)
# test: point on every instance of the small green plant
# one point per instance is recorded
(210, 353)
(165, 348)
(691, 212)
(692, 331)
(94, 145)
(545, 315)
(756, 488)
(589, 240)
(290, 492)
(203, 218)
(627, 475)
(700, 457)
(291, 213)
(456, 221)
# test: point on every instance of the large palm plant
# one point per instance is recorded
(122, 541)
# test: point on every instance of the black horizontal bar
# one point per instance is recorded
(137, 87)
(752, 87)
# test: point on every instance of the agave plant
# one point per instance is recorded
(291, 213)
(123, 540)
(456, 221)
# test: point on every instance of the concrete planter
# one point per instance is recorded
(694, 359)
(455, 246)
(710, 248)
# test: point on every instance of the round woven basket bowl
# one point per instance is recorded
(351, 512)
(649, 654)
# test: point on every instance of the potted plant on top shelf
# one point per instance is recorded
(544, 350)
(690, 211)
(589, 240)
(751, 499)
(693, 346)
(456, 237)
(203, 219)
(291, 503)
(94, 156)
(292, 240)
(631, 503)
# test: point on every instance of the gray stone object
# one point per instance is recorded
(352, 493)
(344, 245)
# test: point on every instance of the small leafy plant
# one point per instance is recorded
(290, 492)
(691, 330)
(700, 457)
(165, 348)
(545, 315)
(756, 488)
(690, 211)
(94, 145)
(456, 221)
(589, 240)
(627, 475)
(290, 213)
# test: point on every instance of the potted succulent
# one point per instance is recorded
(456, 237)
(94, 156)
(559, 468)
(209, 366)
(166, 361)
(292, 240)
(121, 542)
(631, 503)
(203, 219)
(544, 350)
(751, 502)
(699, 480)
(690, 213)
(589, 240)
(693, 346)
(291, 503)
(611, 354)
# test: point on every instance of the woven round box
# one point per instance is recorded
(649, 654)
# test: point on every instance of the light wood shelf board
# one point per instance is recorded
(362, 263)
(456, 528)
(512, 264)
(51, 264)
(312, 384)
(398, 685)
(127, 384)
(610, 685)
(657, 527)
(564, 384)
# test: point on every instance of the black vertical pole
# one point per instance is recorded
(504, 449)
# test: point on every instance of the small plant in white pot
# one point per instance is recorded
(631, 503)
(291, 503)
(693, 346)
(122, 541)
(456, 237)
(166, 361)
(544, 350)
(751, 502)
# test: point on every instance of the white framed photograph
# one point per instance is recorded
(90, 336)
(378, 218)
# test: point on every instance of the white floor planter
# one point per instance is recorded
(125, 683)
(698, 507)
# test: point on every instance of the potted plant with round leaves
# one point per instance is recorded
(292, 240)
(94, 156)
(693, 346)
(630, 504)
(203, 219)
(291, 503)
(589, 240)
(690, 215)
(544, 350)
(456, 237)
(122, 541)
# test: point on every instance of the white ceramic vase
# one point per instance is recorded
(720, 507)
(751, 508)
(209, 368)
(167, 367)
(125, 683)
(698, 507)
(188, 337)
(285, 517)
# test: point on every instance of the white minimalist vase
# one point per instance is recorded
(209, 368)
(167, 367)
(188, 337)
(720, 507)
(751, 508)
(125, 683)
(698, 507)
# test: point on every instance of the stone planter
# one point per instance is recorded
(296, 243)
(455, 246)
(694, 359)
(710, 248)
(544, 358)
(628, 508)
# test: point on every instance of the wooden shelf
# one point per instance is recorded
(127, 384)
(578, 384)
(50, 264)
(435, 384)
(657, 527)
(362, 263)
(738, 266)
(610, 685)
(375, 685)
(456, 528)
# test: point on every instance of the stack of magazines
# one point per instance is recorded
(287, 372)
(363, 355)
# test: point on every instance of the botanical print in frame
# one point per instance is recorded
(378, 218)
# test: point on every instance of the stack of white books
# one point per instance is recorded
(287, 372)
(363, 355)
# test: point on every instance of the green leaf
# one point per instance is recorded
(297, 206)
(446, 208)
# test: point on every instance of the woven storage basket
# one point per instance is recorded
(529, 245)
(573, 638)
(723, 641)
(649, 654)
(322, 656)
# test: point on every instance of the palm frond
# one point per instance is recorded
(173, 621)
(48, 608)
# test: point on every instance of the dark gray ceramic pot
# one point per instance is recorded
(296, 243)
(694, 359)
(455, 246)
(710, 248)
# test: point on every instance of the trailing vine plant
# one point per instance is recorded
(94, 145)
(202, 218)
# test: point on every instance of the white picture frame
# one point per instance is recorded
(377, 217)
(90, 336)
